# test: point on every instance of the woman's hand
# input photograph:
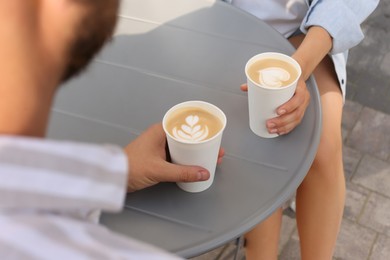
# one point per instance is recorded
(290, 114)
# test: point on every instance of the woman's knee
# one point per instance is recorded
(329, 154)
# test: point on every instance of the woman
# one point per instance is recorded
(322, 31)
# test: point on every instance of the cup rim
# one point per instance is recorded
(273, 54)
(224, 120)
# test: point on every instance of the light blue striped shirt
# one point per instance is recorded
(341, 18)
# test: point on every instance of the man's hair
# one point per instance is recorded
(94, 30)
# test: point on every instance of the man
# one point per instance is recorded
(48, 189)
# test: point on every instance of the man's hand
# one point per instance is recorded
(148, 163)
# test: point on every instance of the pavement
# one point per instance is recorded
(365, 229)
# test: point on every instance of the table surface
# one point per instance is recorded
(166, 52)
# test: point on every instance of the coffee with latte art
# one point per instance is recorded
(272, 79)
(272, 73)
(194, 132)
(192, 124)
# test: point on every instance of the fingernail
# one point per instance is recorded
(282, 111)
(203, 175)
(273, 131)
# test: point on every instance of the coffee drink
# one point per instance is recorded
(272, 79)
(192, 124)
(272, 73)
(194, 132)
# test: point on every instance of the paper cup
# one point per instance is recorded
(198, 153)
(264, 100)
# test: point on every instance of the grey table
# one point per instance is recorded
(166, 52)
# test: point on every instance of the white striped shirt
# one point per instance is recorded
(50, 192)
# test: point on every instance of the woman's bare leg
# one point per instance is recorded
(262, 241)
(320, 198)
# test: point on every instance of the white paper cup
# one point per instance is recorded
(202, 153)
(262, 100)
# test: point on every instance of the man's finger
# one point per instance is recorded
(181, 173)
(244, 87)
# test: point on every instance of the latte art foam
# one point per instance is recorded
(272, 73)
(191, 131)
(192, 124)
(273, 77)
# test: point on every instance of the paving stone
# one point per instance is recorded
(368, 70)
(351, 112)
(382, 9)
(376, 214)
(344, 134)
(210, 255)
(351, 87)
(354, 201)
(288, 226)
(385, 65)
(221, 253)
(351, 159)
(371, 133)
(368, 55)
(364, 57)
(381, 249)
(373, 174)
(354, 241)
(229, 252)
(373, 91)
(291, 250)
